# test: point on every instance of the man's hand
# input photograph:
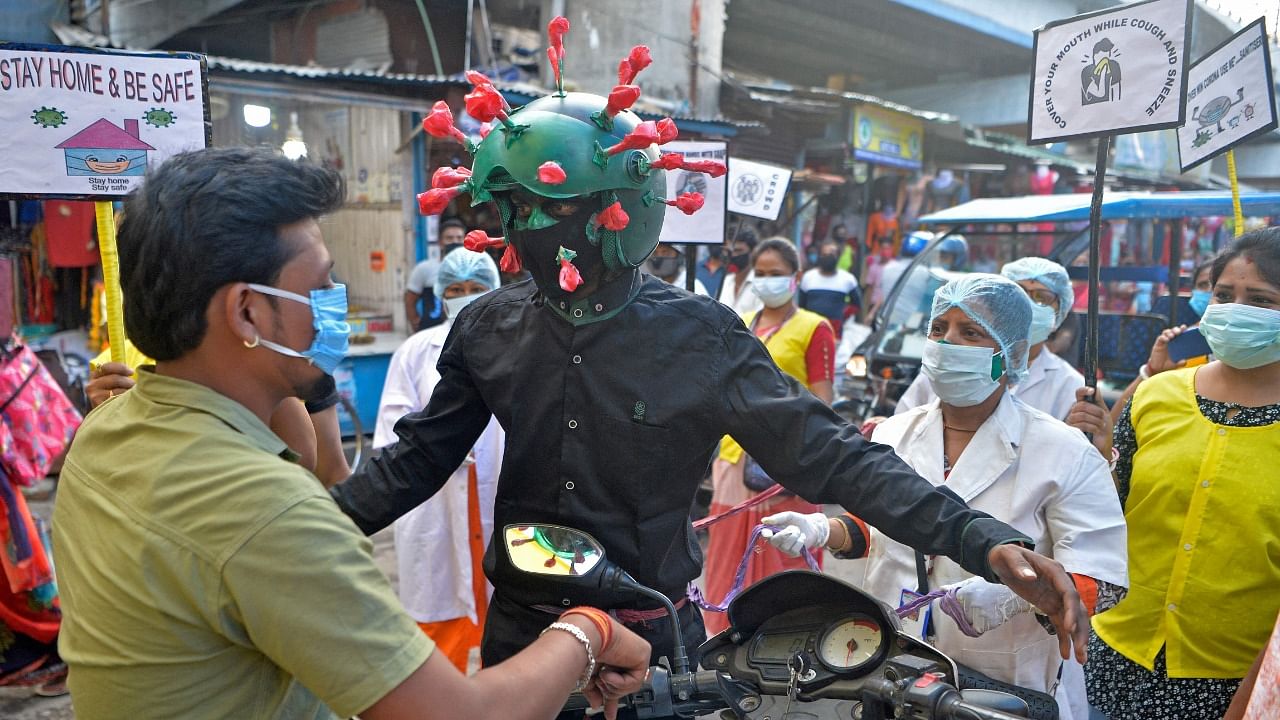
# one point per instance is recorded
(108, 380)
(1044, 583)
(797, 531)
(1090, 414)
(624, 665)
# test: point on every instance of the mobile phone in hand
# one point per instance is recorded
(1190, 344)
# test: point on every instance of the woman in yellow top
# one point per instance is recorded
(802, 343)
(1198, 452)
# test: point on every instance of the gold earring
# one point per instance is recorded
(256, 339)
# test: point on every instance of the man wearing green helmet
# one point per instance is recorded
(614, 387)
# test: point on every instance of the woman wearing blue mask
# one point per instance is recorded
(802, 343)
(1051, 383)
(440, 543)
(1198, 449)
(1000, 456)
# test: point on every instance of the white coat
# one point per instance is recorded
(1059, 493)
(433, 555)
(1050, 387)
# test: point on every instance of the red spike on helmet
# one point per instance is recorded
(555, 33)
(714, 168)
(638, 60)
(645, 134)
(510, 263)
(439, 123)
(613, 217)
(447, 177)
(667, 131)
(551, 173)
(485, 103)
(622, 98)
(479, 241)
(434, 201)
(570, 278)
(688, 203)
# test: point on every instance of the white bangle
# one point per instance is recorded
(581, 636)
(1144, 372)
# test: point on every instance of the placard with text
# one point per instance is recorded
(84, 123)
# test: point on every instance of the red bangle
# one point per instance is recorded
(599, 618)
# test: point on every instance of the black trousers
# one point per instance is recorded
(511, 626)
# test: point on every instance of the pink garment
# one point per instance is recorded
(38, 419)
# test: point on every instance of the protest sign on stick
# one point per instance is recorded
(1105, 73)
(1230, 100)
(86, 124)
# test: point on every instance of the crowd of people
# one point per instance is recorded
(211, 540)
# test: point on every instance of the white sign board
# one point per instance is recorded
(1114, 71)
(705, 226)
(81, 123)
(1230, 97)
(757, 189)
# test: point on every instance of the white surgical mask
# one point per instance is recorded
(453, 306)
(961, 374)
(775, 291)
(1043, 322)
(1242, 336)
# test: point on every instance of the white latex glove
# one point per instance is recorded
(986, 605)
(790, 531)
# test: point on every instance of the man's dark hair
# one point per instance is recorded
(1262, 247)
(203, 220)
(451, 223)
(1103, 45)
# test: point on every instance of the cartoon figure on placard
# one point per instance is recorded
(1213, 112)
(105, 148)
(1100, 79)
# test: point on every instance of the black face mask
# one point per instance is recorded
(538, 249)
(740, 261)
(827, 263)
(665, 267)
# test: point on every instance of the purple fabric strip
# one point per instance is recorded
(739, 578)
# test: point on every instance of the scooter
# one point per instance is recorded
(794, 639)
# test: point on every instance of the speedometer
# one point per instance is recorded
(850, 643)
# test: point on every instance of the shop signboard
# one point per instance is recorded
(86, 124)
(1114, 71)
(757, 189)
(1230, 97)
(888, 137)
(707, 225)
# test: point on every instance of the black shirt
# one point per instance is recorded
(613, 407)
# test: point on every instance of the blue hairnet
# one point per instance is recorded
(462, 264)
(1047, 273)
(997, 304)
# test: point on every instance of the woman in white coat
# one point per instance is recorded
(440, 543)
(1005, 458)
(1051, 383)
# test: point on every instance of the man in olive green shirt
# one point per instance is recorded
(204, 574)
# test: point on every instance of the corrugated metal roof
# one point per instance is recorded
(516, 93)
(315, 72)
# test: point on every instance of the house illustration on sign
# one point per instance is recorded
(104, 148)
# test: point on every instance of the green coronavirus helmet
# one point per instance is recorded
(560, 129)
(567, 145)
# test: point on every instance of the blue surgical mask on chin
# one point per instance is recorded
(962, 375)
(328, 317)
(1242, 336)
(1043, 322)
(1200, 300)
